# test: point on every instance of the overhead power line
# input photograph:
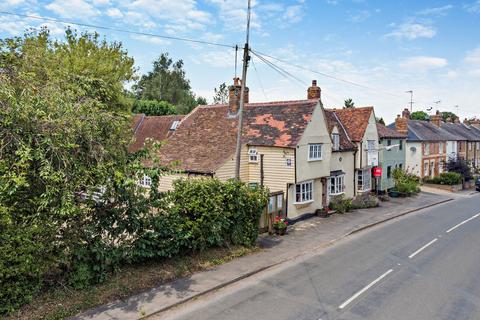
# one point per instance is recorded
(284, 73)
(325, 74)
(117, 29)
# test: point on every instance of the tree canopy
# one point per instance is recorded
(167, 82)
(419, 115)
(221, 94)
(349, 103)
(448, 115)
(153, 107)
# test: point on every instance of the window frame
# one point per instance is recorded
(318, 151)
(361, 186)
(335, 141)
(338, 185)
(305, 191)
(145, 181)
(252, 155)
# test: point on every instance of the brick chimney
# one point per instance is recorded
(436, 119)
(465, 121)
(406, 113)
(401, 124)
(475, 122)
(314, 92)
(234, 96)
(449, 120)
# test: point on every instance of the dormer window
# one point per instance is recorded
(336, 141)
(252, 155)
(175, 125)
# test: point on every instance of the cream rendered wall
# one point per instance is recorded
(371, 133)
(413, 159)
(346, 165)
(296, 210)
(166, 182)
(316, 132)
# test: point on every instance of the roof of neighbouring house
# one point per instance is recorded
(462, 130)
(385, 132)
(355, 121)
(153, 127)
(206, 137)
(332, 121)
(419, 130)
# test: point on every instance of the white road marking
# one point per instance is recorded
(422, 248)
(356, 295)
(463, 222)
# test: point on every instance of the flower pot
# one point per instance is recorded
(280, 231)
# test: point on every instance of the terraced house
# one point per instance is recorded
(391, 155)
(287, 146)
(360, 125)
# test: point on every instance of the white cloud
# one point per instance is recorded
(412, 30)
(473, 7)
(150, 39)
(437, 11)
(423, 63)
(217, 59)
(114, 13)
(293, 14)
(472, 62)
(78, 9)
(361, 16)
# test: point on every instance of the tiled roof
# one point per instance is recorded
(355, 121)
(419, 130)
(207, 136)
(153, 127)
(386, 132)
(462, 131)
(332, 121)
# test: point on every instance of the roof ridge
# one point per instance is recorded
(343, 128)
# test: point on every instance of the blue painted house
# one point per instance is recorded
(391, 155)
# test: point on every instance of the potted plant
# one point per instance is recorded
(280, 226)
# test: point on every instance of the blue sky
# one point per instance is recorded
(430, 47)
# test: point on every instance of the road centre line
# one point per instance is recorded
(463, 222)
(422, 248)
(356, 295)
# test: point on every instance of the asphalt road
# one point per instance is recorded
(423, 266)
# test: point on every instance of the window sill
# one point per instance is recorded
(312, 160)
(303, 203)
(336, 194)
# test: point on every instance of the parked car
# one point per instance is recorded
(477, 184)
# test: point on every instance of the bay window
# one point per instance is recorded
(363, 180)
(336, 185)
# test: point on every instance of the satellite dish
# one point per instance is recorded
(413, 149)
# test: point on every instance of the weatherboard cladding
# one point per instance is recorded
(206, 138)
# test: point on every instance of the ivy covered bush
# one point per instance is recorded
(71, 208)
(446, 178)
(405, 182)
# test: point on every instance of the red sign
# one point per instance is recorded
(377, 171)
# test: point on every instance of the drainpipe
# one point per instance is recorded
(354, 172)
(261, 170)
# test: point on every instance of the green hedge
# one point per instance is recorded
(446, 178)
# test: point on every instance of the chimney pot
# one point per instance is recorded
(436, 119)
(406, 113)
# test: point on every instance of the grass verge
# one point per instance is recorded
(62, 301)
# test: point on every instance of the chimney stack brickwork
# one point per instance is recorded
(314, 92)
(234, 92)
(401, 124)
(436, 119)
(406, 113)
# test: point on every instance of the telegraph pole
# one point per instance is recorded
(246, 58)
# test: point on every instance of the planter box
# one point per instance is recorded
(454, 188)
(469, 184)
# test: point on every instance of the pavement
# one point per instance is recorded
(421, 266)
(303, 239)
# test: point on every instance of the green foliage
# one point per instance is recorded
(405, 182)
(153, 107)
(446, 178)
(419, 115)
(460, 166)
(167, 82)
(341, 204)
(381, 121)
(221, 94)
(448, 115)
(349, 103)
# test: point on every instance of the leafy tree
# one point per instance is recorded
(460, 166)
(419, 115)
(381, 121)
(64, 130)
(221, 94)
(349, 103)
(448, 114)
(153, 107)
(167, 82)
